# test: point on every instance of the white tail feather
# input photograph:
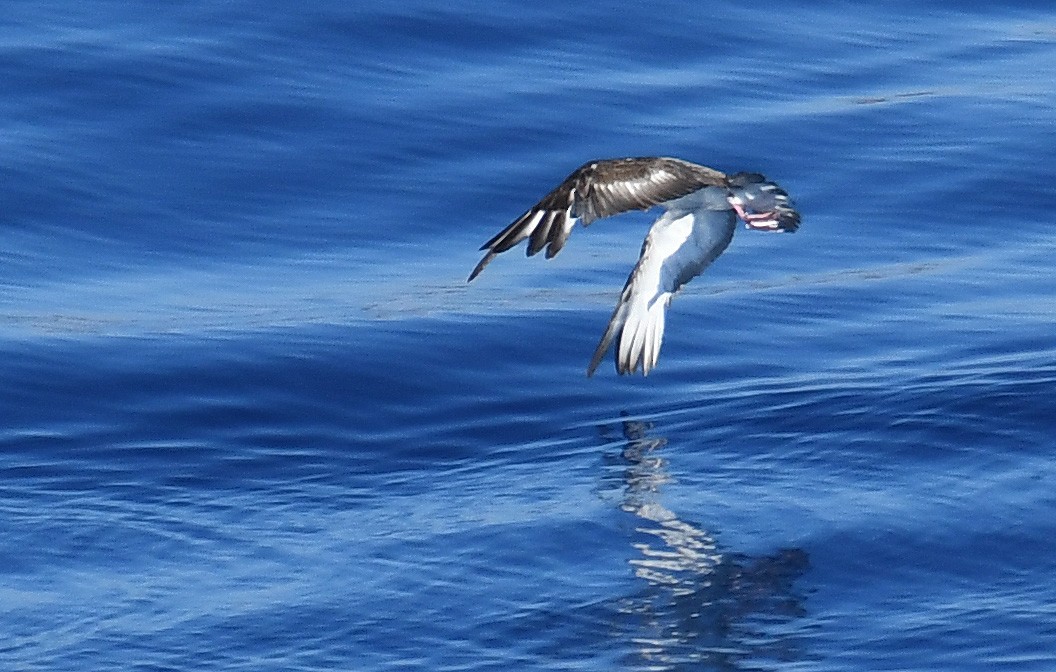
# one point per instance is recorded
(642, 334)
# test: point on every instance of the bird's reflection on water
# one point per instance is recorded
(701, 606)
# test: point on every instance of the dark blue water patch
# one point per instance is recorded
(169, 144)
(986, 586)
(228, 406)
(214, 146)
(251, 410)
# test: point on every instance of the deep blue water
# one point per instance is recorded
(254, 419)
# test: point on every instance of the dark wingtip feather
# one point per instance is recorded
(614, 325)
(541, 234)
(480, 266)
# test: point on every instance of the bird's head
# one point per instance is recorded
(762, 204)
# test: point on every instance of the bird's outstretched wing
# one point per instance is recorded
(678, 247)
(595, 190)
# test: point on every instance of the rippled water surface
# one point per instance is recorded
(255, 419)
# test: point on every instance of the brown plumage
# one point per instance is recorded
(596, 190)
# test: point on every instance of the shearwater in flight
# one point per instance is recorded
(701, 207)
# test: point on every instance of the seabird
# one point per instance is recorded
(701, 207)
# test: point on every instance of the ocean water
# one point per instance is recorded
(253, 417)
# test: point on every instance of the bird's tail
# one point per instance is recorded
(640, 327)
